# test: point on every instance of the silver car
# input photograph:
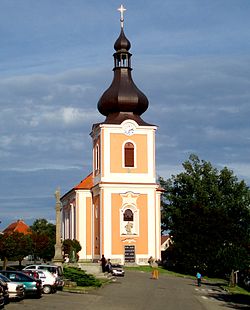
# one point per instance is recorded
(117, 270)
(16, 289)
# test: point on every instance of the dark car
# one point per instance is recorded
(32, 287)
(5, 291)
(31, 273)
(1, 297)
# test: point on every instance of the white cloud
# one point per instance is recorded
(190, 60)
(241, 170)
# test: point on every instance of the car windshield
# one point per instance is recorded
(52, 269)
(19, 277)
(5, 279)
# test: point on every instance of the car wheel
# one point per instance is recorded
(47, 289)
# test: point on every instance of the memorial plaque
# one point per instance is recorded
(129, 253)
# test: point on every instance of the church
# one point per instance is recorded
(115, 210)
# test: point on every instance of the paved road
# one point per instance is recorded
(136, 291)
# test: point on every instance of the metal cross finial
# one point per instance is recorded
(122, 10)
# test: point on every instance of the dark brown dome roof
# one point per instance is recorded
(122, 97)
(122, 43)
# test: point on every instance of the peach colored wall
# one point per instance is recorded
(116, 202)
(141, 244)
(116, 150)
(88, 226)
(97, 226)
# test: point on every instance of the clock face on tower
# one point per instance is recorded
(129, 129)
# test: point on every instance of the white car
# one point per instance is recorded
(117, 270)
(16, 289)
(49, 281)
(55, 270)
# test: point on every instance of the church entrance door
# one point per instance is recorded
(129, 253)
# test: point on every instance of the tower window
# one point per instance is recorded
(97, 158)
(128, 215)
(129, 154)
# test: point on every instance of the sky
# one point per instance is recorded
(190, 57)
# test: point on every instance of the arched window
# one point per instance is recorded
(128, 215)
(129, 154)
(97, 159)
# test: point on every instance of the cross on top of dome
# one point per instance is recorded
(122, 10)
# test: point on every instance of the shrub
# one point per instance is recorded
(80, 277)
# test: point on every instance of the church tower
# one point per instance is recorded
(126, 198)
(115, 210)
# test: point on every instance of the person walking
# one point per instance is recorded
(103, 262)
(154, 266)
(198, 278)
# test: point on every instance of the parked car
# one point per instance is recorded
(32, 287)
(1, 297)
(55, 270)
(16, 289)
(31, 273)
(5, 291)
(49, 281)
(117, 270)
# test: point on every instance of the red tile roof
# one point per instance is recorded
(86, 183)
(18, 226)
(164, 238)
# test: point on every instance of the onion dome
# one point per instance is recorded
(122, 100)
(122, 43)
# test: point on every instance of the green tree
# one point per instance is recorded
(44, 239)
(71, 248)
(41, 245)
(23, 246)
(7, 248)
(14, 246)
(207, 213)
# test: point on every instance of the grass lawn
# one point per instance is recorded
(237, 290)
(161, 270)
(220, 282)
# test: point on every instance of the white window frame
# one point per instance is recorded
(123, 155)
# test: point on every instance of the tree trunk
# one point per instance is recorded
(232, 279)
(5, 260)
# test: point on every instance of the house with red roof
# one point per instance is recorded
(18, 226)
